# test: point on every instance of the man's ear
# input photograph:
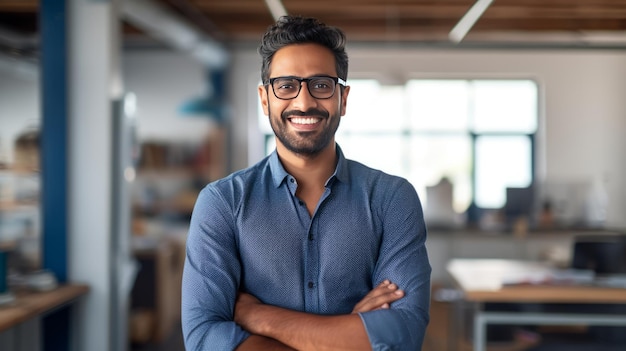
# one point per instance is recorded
(263, 97)
(344, 99)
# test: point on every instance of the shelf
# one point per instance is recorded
(6, 206)
(20, 170)
(30, 304)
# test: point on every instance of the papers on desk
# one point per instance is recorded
(611, 281)
(490, 275)
(566, 277)
(551, 277)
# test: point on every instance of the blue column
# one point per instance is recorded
(53, 150)
(54, 109)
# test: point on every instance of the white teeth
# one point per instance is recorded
(304, 120)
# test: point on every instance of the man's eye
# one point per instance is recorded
(286, 85)
(320, 85)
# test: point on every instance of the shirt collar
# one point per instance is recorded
(279, 174)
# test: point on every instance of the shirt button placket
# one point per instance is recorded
(312, 267)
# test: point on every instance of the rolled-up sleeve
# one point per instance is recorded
(211, 277)
(403, 259)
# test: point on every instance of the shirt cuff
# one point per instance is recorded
(388, 330)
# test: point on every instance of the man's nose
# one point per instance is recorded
(304, 99)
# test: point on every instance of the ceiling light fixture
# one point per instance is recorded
(465, 24)
(276, 8)
(171, 28)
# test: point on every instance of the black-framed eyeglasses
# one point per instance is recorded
(320, 87)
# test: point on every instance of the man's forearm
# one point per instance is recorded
(305, 331)
(262, 343)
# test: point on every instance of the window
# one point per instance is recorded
(479, 134)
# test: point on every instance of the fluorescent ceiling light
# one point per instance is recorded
(465, 24)
(276, 8)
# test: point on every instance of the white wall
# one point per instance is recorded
(162, 82)
(584, 111)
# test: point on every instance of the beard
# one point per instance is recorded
(305, 143)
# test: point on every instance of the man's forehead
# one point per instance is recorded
(303, 57)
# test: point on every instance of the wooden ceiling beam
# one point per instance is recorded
(376, 19)
(19, 6)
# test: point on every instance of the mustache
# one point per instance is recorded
(310, 112)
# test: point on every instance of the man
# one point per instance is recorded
(306, 250)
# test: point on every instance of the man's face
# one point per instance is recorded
(304, 125)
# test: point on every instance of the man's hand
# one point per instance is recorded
(379, 298)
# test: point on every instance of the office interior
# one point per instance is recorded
(144, 127)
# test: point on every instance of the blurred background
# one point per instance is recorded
(508, 117)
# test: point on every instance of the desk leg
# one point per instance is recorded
(480, 332)
(56, 333)
(455, 324)
(462, 312)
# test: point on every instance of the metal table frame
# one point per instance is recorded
(482, 319)
(480, 281)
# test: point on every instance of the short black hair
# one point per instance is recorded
(297, 30)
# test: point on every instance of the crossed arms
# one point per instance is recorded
(275, 328)
(217, 316)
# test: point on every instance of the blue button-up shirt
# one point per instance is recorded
(250, 232)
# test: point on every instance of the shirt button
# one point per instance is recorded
(292, 180)
(301, 203)
(311, 285)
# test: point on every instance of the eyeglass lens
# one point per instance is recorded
(289, 87)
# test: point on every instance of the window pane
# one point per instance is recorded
(505, 106)
(384, 152)
(501, 162)
(438, 105)
(372, 107)
(435, 157)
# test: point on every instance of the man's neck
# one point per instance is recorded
(311, 170)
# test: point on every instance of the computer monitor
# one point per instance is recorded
(604, 254)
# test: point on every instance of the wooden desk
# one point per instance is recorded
(483, 280)
(29, 305)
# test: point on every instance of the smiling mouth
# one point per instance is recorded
(304, 120)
